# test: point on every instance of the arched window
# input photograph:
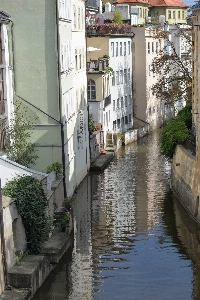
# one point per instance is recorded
(91, 89)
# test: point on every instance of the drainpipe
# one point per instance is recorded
(60, 101)
(3, 245)
(60, 122)
(87, 78)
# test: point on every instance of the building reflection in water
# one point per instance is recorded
(131, 238)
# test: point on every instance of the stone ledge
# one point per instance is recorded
(16, 294)
(31, 273)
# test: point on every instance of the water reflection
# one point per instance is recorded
(132, 240)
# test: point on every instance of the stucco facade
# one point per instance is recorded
(49, 54)
(118, 109)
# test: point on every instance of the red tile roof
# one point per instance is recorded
(176, 3)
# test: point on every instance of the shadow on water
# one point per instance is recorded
(132, 238)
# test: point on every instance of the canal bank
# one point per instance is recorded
(129, 238)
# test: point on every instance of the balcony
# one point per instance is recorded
(108, 29)
(97, 66)
(107, 101)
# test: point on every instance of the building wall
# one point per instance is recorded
(185, 179)
(80, 134)
(35, 71)
(139, 73)
(121, 107)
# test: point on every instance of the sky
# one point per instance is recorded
(189, 2)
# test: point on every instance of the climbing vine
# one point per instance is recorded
(31, 203)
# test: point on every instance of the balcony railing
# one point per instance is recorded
(190, 146)
(97, 65)
(107, 101)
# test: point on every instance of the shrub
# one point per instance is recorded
(175, 132)
(56, 167)
(31, 203)
(185, 115)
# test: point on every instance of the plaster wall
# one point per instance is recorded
(185, 179)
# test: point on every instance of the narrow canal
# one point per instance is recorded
(133, 239)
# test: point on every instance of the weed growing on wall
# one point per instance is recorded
(18, 146)
(56, 167)
(31, 203)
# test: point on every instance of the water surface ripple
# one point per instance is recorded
(132, 238)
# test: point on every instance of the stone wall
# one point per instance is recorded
(185, 180)
(131, 136)
(95, 142)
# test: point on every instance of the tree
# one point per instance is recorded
(173, 65)
(18, 146)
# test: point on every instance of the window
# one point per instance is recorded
(124, 48)
(156, 47)
(117, 77)
(129, 118)
(122, 102)
(64, 9)
(183, 15)
(120, 48)
(63, 57)
(83, 56)
(179, 14)
(148, 47)
(112, 49)
(174, 14)
(113, 105)
(129, 75)
(121, 76)
(129, 100)
(125, 75)
(149, 70)
(91, 89)
(79, 18)
(117, 103)
(152, 47)
(118, 123)
(140, 13)
(149, 111)
(116, 48)
(125, 101)
(169, 14)
(126, 120)
(129, 47)
(82, 19)
(80, 60)
(76, 60)
(113, 79)
(74, 17)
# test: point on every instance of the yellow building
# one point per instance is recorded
(174, 11)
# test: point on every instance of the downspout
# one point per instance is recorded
(60, 122)
(60, 101)
(3, 245)
(87, 79)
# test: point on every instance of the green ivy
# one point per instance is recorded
(185, 114)
(175, 132)
(56, 167)
(31, 204)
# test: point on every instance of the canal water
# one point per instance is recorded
(132, 239)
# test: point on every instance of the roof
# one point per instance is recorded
(175, 3)
(134, 1)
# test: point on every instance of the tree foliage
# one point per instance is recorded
(31, 203)
(18, 146)
(176, 131)
(174, 70)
